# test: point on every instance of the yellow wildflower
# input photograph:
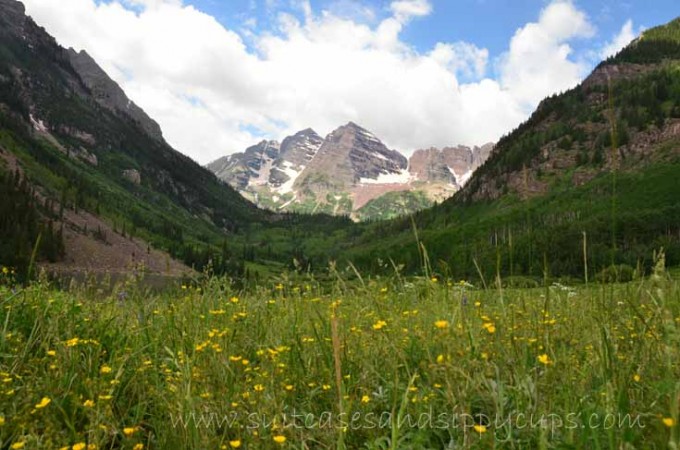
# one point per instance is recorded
(365, 399)
(105, 369)
(279, 439)
(379, 325)
(79, 446)
(236, 443)
(490, 327)
(129, 431)
(668, 421)
(88, 403)
(18, 445)
(544, 359)
(480, 429)
(441, 324)
(44, 402)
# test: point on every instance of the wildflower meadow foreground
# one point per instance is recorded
(385, 363)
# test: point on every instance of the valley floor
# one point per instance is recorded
(385, 363)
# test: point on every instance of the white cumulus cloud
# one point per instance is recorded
(538, 62)
(462, 57)
(214, 95)
(406, 9)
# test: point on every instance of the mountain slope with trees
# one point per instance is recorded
(595, 167)
(97, 165)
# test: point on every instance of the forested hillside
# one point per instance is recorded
(84, 149)
(596, 166)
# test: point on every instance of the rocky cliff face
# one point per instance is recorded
(78, 69)
(429, 165)
(250, 167)
(15, 14)
(301, 148)
(349, 155)
(346, 172)
(296, 153)
(108, 94)
(452, 165)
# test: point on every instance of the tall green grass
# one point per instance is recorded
(418, 363)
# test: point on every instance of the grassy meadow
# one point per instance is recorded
(385, 363)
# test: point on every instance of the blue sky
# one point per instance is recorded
(487, 23)
(219, 75)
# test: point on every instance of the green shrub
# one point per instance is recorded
(521, 282)
(615, 274)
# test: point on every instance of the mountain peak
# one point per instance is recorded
(13, 7)
(346, 171)
(16, 24)
(268, 143)
(348, 155)
(355, 127)
(307, 131)
(109, 94)
(301, 147)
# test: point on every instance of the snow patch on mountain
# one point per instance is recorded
(462, 181)
(266, 164)
(38, 124)
(341, 173)
(292, 174)
(402, 177)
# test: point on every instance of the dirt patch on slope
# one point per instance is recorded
(93, 246)
(367, 192)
